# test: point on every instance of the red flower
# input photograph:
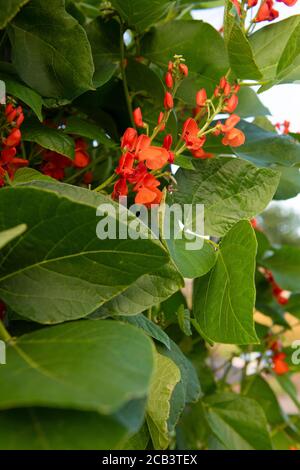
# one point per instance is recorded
(120, 189)
(237, 6)
(280, 367)
(154, 157)
(129, 138)
(169, 80)
(168, 101)
(147, 191)
(231, 104)
(200, 153)
(190, 135)
(159, 120)
(82, 159)
(167, 144)
(288, 3)
(234, 138)
(13, 139)
(125, 166)
(88, 177)
(138, 117)
(253, 3)
(170, 66)
(183, 69)
(54, 164)
(266, 12)
(201, 97)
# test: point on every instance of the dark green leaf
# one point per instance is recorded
(104, 37)
(60, 254)
(50, 50)
(23, 93)
(149, 327)
(47, 137)
(114, 364)
(276, 51)
(224, 298)
(258, 388)
(229, 188)
(84, 128)
(149, 290)
(250, 104)
(144, 81)
(44, 429)
(25, 175)
(289, 185)
(140, 14)
(239, 423)
(266, 148)
(9, 9)
(200, 44)
(239, 49)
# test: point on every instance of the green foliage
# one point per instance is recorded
(128, 361)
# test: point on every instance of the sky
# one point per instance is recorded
(283, 101)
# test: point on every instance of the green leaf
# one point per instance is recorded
(188, 390)
(104, 37)
(144, 81)
(45, 429)
(149, 327)
(149, 290)
(266, 148)
(23, 93)
(140, 14)
(249, 104)
(164, 380)
(239, 49)
(25, 175)
(47, 137)
(9, 9)
(83, 128)
(285, 266)
(114, 365)
(224, 298)
(238, 422)
(258, 389)
(184, 320)
(137, 442)
(289, 185)
(7, 236)
(229, 188)
(289, 388)
(200, 44)
(276, 51)
(61, 255)
(50, 50)
(191, 263)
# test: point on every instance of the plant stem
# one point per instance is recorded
(105, 183)
(4, 334)
(123, 73)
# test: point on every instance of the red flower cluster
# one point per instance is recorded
(140, 159)
(10, 139)
(280, 366)
(283, 127)
(281, 295)
(54, 163)
(228, 101)
(266, 11)
(139, 156)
